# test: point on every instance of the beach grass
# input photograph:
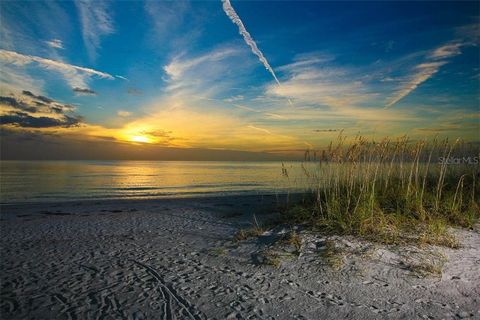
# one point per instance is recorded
(391, 191)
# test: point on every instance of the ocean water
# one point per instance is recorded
(49, 181)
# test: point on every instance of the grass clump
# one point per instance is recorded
(272, 259)
(424, 266)
(294, 240)
(332, 255)
(255, 231)
(391, 191)
(244, 234)
(426, 269)
(218, 252)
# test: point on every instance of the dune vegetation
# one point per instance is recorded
(392, 190)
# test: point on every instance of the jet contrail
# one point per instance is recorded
(227, 7)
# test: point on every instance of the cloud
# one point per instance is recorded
(75, 75)
(84, 91)
(134, 92)
(41, 98)
(325, 92)
(199, 123)
(96, 23)
(23, 135)
(25, 120)
(32, 103)
(12, 102)
(28, 110)
(238, 97)
(446, 51)
(260, 129)
(306, 60)
(209, 74)
(12, 78)
(158, 133)
(166, 16)
(55, 43)
(121, 77)
(178, 66)
(21, 59)
(325, 130)
(422, 72)
(122, 113)
(227, 7)
(425, 70)
(323, 86)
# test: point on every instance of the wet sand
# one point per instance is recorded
(176, 259)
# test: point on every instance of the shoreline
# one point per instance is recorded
(212, 195)
(268, 199)
(143, 259)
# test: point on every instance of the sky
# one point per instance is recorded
(240, 80)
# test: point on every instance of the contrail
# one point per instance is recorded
(227, 7)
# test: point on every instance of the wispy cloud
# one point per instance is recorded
(179, 66)
(123, 113)
(11, 78)
(312, 83)
(446, 51)
(425, 70)
(306, 60)
(55, 43)
(166, 16)
(259, 129)
(209, 74)
(96, 22)
(227, 7)
(327, 92)
(75, 75)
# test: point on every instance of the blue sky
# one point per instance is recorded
(179, 74)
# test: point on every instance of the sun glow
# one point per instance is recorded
(142, 139)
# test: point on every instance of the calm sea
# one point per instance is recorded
(43, 181)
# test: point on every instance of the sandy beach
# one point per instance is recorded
(177, 259)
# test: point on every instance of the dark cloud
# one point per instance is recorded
(41, 98)
(37, 104)
(84, 91)
(57, 109)
(325, 130)
(20, 105)
(28, 93)
(24, 120)
(25, 135)
(34, 145)
(44, 99)
(102, 138)
(25, 116)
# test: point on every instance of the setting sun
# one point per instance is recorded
(142, 139)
